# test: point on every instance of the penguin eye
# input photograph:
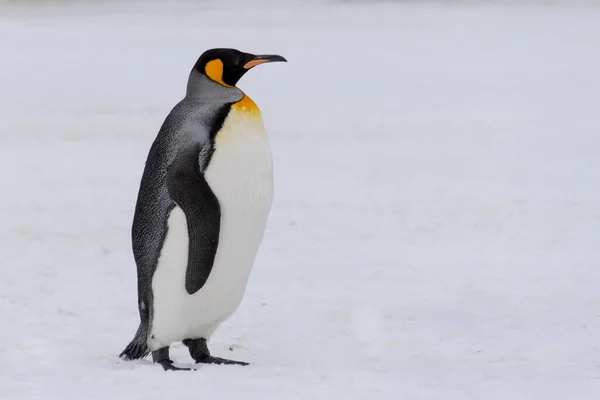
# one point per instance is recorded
(237, 62)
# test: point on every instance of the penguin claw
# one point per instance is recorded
(161, 356)
(168, 366)
(220, 361)
(200, 354)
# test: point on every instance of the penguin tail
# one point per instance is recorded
(138, 347)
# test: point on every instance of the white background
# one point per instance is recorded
(435, 231)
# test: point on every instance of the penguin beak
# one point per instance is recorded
(263, 58)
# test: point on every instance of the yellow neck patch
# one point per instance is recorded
(248, 106)
(214, 70)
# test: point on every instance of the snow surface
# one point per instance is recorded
(435, 228)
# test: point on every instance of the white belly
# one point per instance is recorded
(240, 174)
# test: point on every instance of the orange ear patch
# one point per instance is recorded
(214, 70)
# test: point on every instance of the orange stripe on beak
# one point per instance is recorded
(254, 63)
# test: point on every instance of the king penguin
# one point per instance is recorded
(203, 202)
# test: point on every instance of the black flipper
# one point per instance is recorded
(200, 354)
(161, 356)
(190, 191)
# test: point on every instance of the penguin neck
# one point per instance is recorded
(202, 87)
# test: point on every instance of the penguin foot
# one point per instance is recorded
(220, 361)
(161, 356)
(168, 366)
(200, 354)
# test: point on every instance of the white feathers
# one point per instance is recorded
(240, 174)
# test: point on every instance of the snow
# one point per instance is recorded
(434, 233)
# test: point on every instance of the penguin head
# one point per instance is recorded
(227, 66)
